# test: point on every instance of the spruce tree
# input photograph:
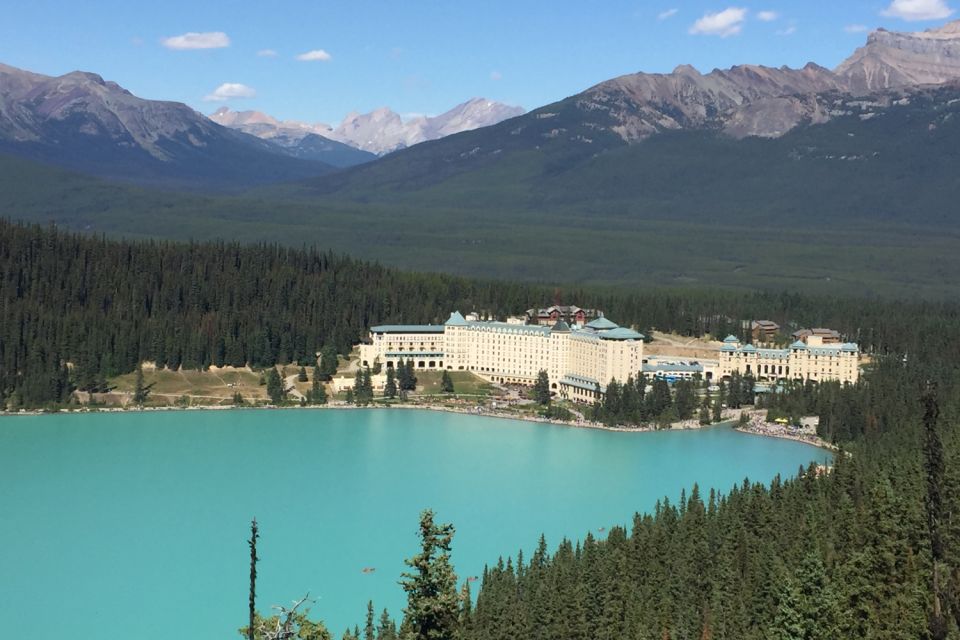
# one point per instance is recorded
(328, 363)
(302, 375)
(390, 387)
(318, 393)
(704, 417)
(686, 400)
(386, 629)
(433, 605)
(369, 630)
(252, 604)
(446, 382)
(541, 389)
(275, 389)
(140, 390)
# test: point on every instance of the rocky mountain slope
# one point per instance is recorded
(741, 102)
(892, 59)
(379, 132)
(81, 121)
(763, 101)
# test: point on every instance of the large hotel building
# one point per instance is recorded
(580, 359)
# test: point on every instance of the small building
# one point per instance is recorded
(764, 330)
(570, 314)
(671, 368)
(341, 384)
(826, 336)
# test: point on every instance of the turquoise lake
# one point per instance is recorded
(134, 525)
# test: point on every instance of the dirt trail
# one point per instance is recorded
(290, 383)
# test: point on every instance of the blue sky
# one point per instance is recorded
(424, 56)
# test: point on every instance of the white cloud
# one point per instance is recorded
(856, 28)
(789, 31)
(728, 22)
(192, 40)
(316, 54)
(230, 91)
(496, 75)
(669, 13)
(918, 10)
(767, 16)
(267, 53)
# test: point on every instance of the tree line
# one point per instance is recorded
(78, 310)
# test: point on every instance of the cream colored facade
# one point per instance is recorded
(579, 360)
(812, 360)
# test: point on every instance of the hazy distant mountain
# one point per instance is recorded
(892, 59)
(80, 121)
(379, 132)
(383, 131)
(299, 139)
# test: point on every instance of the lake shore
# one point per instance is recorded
(756, 426)
(341, 406)
(478, 410)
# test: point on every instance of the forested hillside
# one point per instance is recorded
(76, 309)
(846, 554)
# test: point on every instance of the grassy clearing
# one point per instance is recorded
(464, 383)
(213, 387)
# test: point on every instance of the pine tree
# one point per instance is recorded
(933, 465)
(302, 375)
(433, 605)
(686, 400)
(446, 382)
(704, 417)
(409, 377)
(369, 631)
(328, 363)
(386, 629)
(318, 393)
(359, 388)
(541, 389)
(140, 390)
(275, 386)
(252, 543)
(390, 387)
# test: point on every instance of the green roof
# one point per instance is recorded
(408, 328)
(620, 333)
(582, 382)
(456, 320)
(601, 323)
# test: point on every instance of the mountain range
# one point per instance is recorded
(379, 132)
(83, 122)
(750, 176)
